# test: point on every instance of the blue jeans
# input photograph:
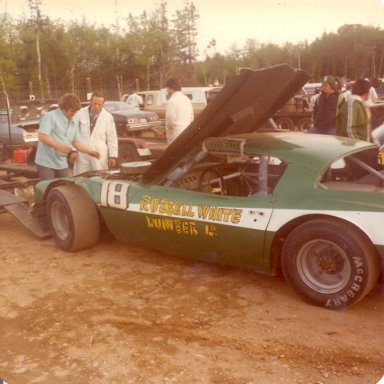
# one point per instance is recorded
(46, 173)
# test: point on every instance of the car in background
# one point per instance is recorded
(227, 191)
(294, 115)
(310, 89)
(134, 127)
(21, 135)
(380, 93)
(130, 120)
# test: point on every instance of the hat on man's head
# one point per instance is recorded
(331, 80)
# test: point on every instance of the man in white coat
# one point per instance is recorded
(98, 131)
(179, 110)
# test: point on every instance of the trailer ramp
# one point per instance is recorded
(19, 208)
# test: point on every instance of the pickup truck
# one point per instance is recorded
(293, 116)
(156, 100)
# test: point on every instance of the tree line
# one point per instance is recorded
(46, 58)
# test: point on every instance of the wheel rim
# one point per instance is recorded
(59, 220)
(323, 266)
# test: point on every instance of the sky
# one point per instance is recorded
(229, 22)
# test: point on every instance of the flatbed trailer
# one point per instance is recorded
(14, 169)
(18, 177)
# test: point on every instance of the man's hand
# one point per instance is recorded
(85, 149)
(112, 162)
(71, 158)
(94, 154)
(65, 149)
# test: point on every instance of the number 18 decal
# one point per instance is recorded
(114, 194)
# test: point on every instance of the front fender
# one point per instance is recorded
(92, 187)
(43, 187)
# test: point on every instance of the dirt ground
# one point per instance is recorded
(120, 314)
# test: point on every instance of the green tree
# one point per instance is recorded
(153, 46)
(37, 22)
(8, 72)
(185, 36)
(57, 57)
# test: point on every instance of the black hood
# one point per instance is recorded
(243, 105)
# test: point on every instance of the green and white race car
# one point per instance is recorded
(230, 191)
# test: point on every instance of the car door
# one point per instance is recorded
(227, 229)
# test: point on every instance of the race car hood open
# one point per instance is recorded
(243, 105)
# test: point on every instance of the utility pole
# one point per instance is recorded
(118, 75)
(34, 6)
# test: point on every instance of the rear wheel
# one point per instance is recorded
(285, 123)
(304, 124)
(330, 263)
(72, 217)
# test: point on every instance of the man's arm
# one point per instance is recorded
(46, 139)
(112, 141)
(170, 115)
(83, 148)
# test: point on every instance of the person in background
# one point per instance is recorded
(356, 121)
(372, 95)
(348, 91)
(312, 100)
(179, 110)
(135, 100)
(98, 131)
(326, 114)
(59, 138)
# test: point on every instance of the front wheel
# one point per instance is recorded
(329, 263)
(72, 217)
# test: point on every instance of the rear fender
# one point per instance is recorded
(273, 246)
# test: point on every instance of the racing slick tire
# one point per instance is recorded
(72, 217)
(330, 263)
